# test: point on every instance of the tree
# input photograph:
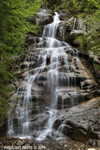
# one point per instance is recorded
(13, 26)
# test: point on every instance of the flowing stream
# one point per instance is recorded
(58, 83)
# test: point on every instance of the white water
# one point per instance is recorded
(50, 34)
(55, 49)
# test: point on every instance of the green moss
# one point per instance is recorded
(97, 66)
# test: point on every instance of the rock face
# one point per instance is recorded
(53, 83)
(64, 30)
(81, 123)
(43, 16)
(75, 33)
(83, 88)
(70, 29)
(77, 24)
(95, 58)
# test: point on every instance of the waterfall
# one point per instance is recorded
(59, 83)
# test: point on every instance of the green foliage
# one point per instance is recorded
(4, 90)
(13, 22)
(90, 42)
(83, 42)
(51, 4)
(86, 6)
(97, 66)
(89, 11)
(13, 26)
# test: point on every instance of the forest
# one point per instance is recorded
(13, 27)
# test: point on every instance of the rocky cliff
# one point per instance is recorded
(55, 86)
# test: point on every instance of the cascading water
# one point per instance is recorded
(52, 57)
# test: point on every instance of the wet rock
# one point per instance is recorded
(70, 22)
(70, 78)
(94, 57)
(48, 60)
(20, 142)
(32, 40)
(42, 84)
(27, 65)
(42, 77)
(63, 31)
(57, 123)
(87, 83)
(70, 29)
(64, 99)
(83, 121)
(56, 135)
(94, 142)
(39, 120)
(43, 17)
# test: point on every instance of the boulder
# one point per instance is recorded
(32, 40)
(95, 58)
(83, 121)
(43, 17)
(75, 33)
(70, 22)
(73, 37)
(87, 83)
(39, 119)
(64, 99)
(63, 31)
(68, 30)
(76, 23)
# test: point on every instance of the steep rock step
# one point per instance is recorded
(28, 65)
(54, 80)
(82, 122)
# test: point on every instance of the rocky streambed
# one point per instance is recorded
(13, 143)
